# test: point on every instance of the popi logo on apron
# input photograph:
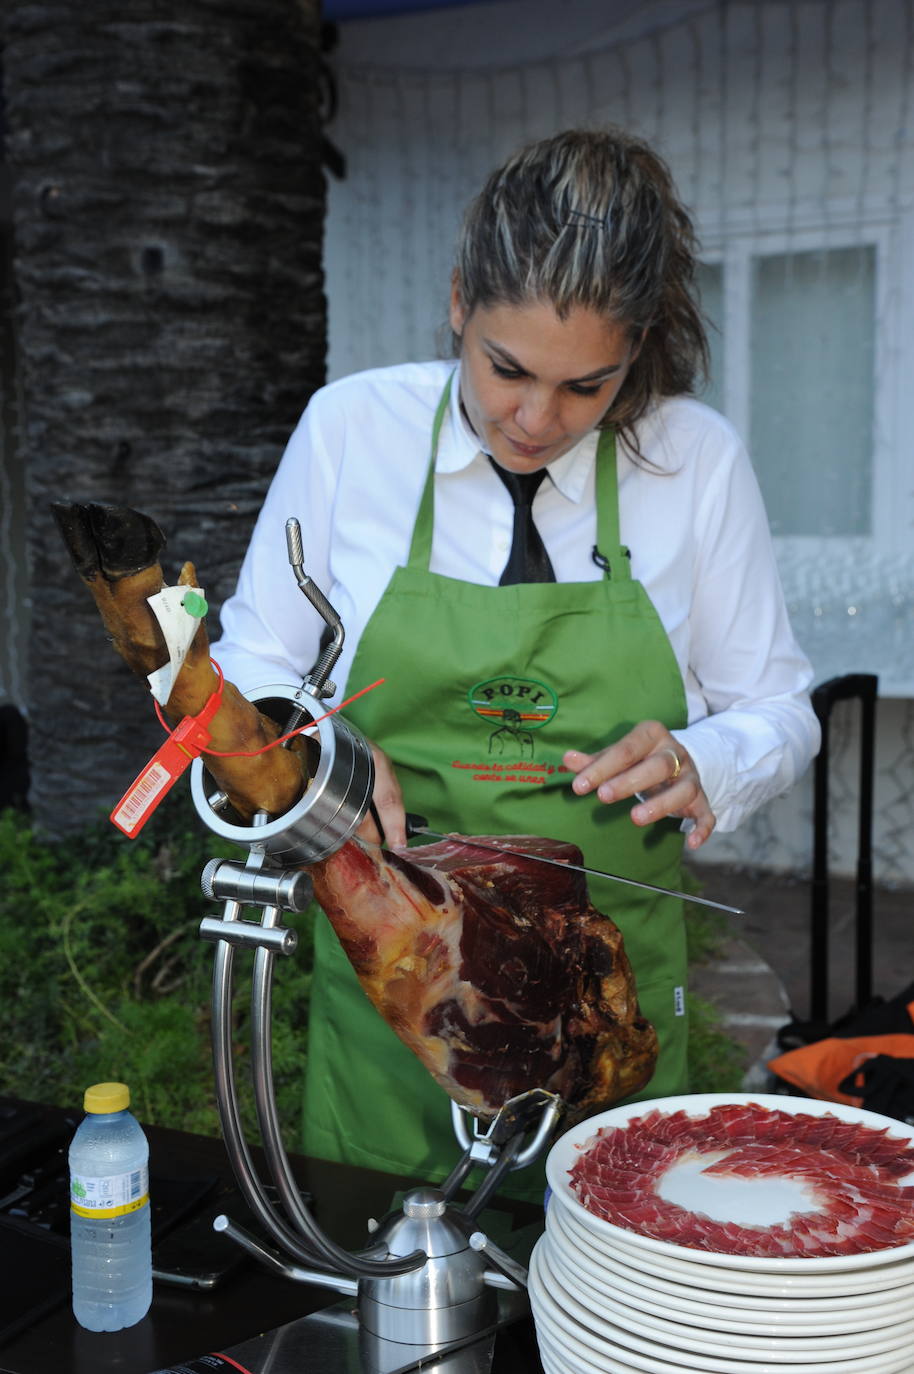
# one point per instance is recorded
(515, 706)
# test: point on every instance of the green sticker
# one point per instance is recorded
(195, 604)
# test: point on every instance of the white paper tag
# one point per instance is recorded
(679, 1004)
(179, 628)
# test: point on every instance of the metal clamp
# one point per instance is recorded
(223, 879)
(249, 934)
(514, 1115)
(330, 809)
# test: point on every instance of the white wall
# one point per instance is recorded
(789, 118)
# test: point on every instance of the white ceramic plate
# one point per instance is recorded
(568, 1355)
(719, 1201)
(681, 1303)
(845, 1284)
(719, 1279)
(554, 1359)
(626, 1349)
(559, 1362)
(857, 1309)
(604, 1315)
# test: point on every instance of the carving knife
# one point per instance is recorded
(417, 825)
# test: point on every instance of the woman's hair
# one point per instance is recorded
(592, 218)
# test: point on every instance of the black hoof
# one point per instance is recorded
(113, 540)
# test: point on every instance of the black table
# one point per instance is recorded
(183, 1323)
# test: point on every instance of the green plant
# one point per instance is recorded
(717, 1062)
(103, 974)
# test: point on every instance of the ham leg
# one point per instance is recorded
(116, 552)
(496, 972)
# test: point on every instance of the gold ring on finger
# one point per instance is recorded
(677, 763)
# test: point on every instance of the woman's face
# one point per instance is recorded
(533, 384)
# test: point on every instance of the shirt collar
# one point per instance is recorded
(458, 447)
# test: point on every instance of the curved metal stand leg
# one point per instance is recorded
(227, 1099)
(261, 1056)
(319, 1249)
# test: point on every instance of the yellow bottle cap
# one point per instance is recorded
(106, 1097)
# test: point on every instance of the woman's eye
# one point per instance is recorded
(579, 389)
(510, 373)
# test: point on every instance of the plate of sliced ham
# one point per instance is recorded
(775, 1185)
(731, 1233)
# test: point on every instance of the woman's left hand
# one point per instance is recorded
(649, 761)
(387, 803)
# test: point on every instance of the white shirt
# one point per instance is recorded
(693, 518)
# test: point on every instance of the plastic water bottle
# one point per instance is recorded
(109, 1213)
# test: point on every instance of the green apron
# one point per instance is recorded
(485, 689)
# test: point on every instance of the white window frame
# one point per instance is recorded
(742, 237)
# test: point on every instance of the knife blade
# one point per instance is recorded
(418, 825)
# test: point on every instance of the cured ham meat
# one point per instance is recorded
(851, 1174)
(496, 971)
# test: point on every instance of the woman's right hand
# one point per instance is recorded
(387, 802)
(649, 764)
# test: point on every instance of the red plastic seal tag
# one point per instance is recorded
(174, 756)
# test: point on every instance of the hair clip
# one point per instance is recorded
(579, 219)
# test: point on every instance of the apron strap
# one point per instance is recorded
(420, 549)
(609, 553)
(611, 557)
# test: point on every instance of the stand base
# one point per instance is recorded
(331, 1340)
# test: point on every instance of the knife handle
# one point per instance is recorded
(415, 824)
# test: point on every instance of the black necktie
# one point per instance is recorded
(528, 560)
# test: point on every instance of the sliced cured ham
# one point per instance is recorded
(852, 1174)
(496, 971)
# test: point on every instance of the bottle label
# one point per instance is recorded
(113, 1195)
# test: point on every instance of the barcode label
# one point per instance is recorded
(147, 787)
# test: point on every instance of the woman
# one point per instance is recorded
(649, 692)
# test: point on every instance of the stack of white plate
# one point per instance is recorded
(607, 1300)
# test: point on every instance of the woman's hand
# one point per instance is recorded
(650, 762)
(387, 802)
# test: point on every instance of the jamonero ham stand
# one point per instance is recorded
(431, 1288)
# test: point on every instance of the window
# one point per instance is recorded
(811, 388)
(795, 365)
(813, 360)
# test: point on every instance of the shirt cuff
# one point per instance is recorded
(745, 760)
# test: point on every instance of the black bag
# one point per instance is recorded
(886, 1085)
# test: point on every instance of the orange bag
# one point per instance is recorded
(818, 1069)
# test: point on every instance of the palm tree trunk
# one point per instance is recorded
(168, 207)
